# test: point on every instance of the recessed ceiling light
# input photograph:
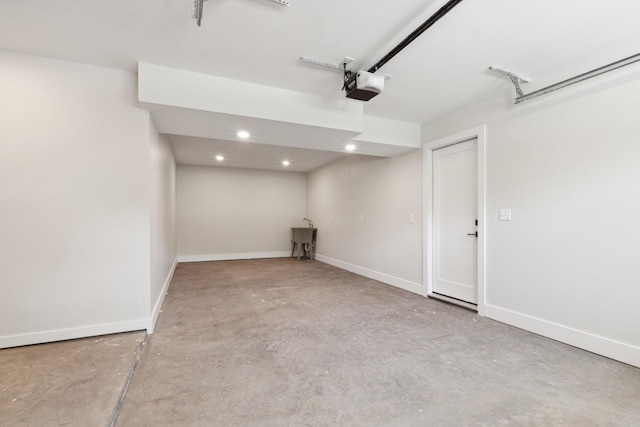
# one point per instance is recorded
(243, 134)
(219, 157)
(350, 147)
(285, 163)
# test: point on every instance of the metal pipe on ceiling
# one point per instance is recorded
(414, 35)
(584, 76)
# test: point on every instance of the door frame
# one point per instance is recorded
(479, 133)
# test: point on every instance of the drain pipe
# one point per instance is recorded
(414, 35)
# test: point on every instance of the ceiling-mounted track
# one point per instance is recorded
(521, 96)
(415, 34)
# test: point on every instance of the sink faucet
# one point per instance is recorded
(309, 221)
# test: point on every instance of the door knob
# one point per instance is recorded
(473, 234)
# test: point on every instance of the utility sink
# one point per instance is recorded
(304, 241)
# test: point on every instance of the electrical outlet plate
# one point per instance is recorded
(505, 214)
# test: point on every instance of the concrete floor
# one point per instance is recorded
(70, 383)
(283, 342)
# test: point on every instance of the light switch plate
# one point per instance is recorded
(505, 214)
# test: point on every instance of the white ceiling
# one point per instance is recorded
(259, 41)
(200, 151)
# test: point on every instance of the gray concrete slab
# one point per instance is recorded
(299, 343)
(68, 383)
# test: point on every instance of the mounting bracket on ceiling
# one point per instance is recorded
(515, 79)
(196, 10)
(198, 5)
(521, 96)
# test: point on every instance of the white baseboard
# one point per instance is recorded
(72, 333)
(158, 305)
(407, 285)
(594, 343)
(230, 257)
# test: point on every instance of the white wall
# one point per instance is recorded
(74, 167)
(228, 213)
(163, 244)
(385, 191)
(568, 165)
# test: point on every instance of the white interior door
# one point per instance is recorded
(455, 202)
